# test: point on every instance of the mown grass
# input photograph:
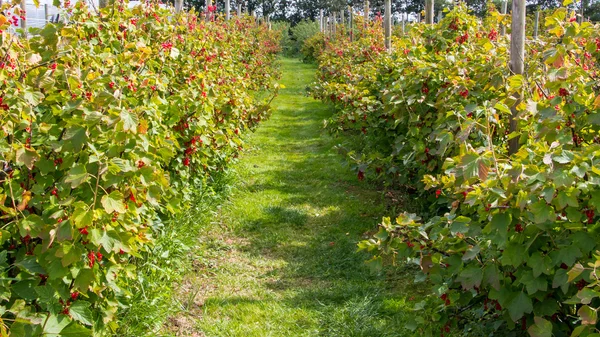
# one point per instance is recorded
(279, 257)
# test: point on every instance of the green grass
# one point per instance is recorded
(279, 257)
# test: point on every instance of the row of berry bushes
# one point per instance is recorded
(508, 243)
(108, 123)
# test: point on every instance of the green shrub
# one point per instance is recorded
(108, 123)
(503, 233)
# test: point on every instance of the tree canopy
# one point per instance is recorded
(295, 11)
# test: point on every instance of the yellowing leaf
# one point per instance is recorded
(26, 198)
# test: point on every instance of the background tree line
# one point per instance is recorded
(295, 11)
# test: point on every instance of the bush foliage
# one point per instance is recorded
(108, 122)
(509, 243)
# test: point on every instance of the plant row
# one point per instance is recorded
(508, 242)
(108, 122)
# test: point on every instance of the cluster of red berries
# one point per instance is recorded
(93, 257)
(464, 93)
(438, 193)
(462, 39)
(487, 304)
(425, 88)
(562, 92)
(581, 284)
(590, 215)
(519, 228)
(167, 45)
(453, 25)
(361, 175)
(15, 20)
(212, 8)
(493, 35)
(446, 299)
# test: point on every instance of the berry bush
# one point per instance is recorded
(107, 124)
(508, 242)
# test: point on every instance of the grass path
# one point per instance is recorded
(280, 257)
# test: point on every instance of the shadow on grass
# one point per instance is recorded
(301, 205)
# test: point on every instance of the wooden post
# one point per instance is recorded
(582, 11)
(366, 13)
(503, 11)
(45, 13)
(536, 24)
(334, 24)
(227, 10)
(387, 24)
(247, 9)
(351, 23)
(517, 63)
(23, 13)
(239, 10)
(403, 25)
(321, 21)
(208, 5)
(439, 18)
(429, 12)
(342, 18)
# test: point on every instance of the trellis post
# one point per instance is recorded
(23, 14)
(387, 23)
(429, 12)
(321, 21)
(517, 64)
(536, 24)
(333, 27)
(503, 11)
(366, 13)
(239, 10)
(351, 23)
(227, 10)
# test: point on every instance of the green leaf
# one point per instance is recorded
(500, 223)
(113, 202)
(77, 176)
(470, 165)
(539, 264)
(533, 284)
(519, 305)
(586, 295)
(26, 289)
(491, 276)
(560, 279)
(33, 97)
(76, 137)
(470, 277)
(542, 212)
(588, 315)
(516, 81)
(514, 255)
(54, 325)
(130, 120)
(541, 328)
(82, 217)
(75, 330)
(30, 264)
(27, 157)
(575, 271)
(569, 254)
(460, 225)
(84, 279)
(80, 311)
